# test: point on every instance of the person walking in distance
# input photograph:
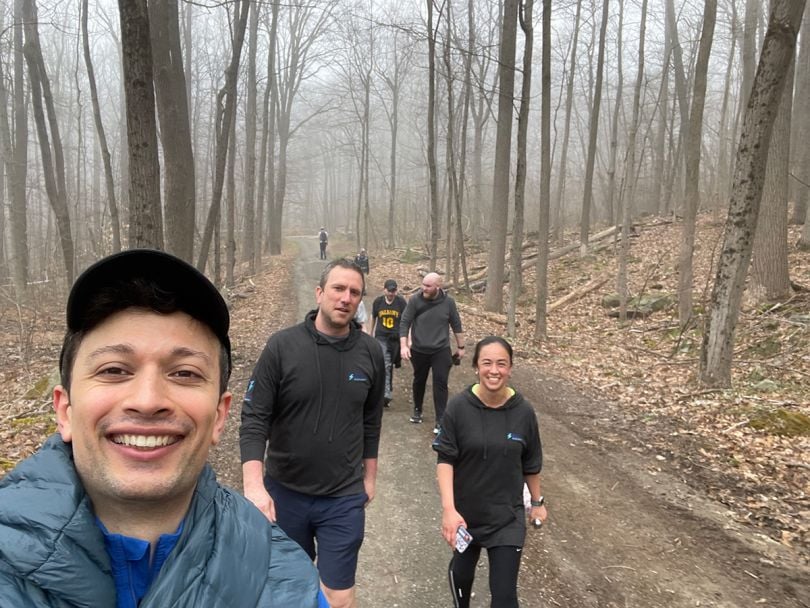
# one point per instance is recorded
(386, 313)
(488, 448)
(361, 259)
(314, 405)
(118, 508)
(424, 339)
(323, 241)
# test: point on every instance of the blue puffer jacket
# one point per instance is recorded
(52, 552)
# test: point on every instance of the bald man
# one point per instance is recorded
(424, 339)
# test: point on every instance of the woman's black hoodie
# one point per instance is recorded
(317, 406)
(490, 449)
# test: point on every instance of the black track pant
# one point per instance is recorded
(504, 563)
(439, 363)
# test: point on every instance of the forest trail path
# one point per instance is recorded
(624, 531)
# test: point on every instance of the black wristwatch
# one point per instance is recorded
(539, 502)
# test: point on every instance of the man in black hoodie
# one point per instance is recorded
(314, 402)
(424, 339)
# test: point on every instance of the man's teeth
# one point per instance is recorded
(144, 441)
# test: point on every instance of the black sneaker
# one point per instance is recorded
(416, 419)
(386, 402)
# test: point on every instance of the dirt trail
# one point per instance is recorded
(624, 529)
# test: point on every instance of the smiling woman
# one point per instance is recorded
(482, 495)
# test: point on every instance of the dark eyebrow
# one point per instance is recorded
(127, 349)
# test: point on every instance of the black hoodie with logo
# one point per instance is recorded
(316, 403)
(490, 450)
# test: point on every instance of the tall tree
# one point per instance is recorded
(226, 106)
(559, 193)
(746, 194)
(593, 130)
(145, 217)
(109, 179)
(50, 141)
(15, 144)
(614, 123)
(770, 279)
(503, 154)
(540, 331)
(694, 140)
(433, 191)
(628, 201)
(249, 215)
(515, 272)
(175, 127)
(800, 151)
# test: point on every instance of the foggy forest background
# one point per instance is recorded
(214, 129)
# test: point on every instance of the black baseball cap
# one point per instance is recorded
(194, 294)
(390, 285)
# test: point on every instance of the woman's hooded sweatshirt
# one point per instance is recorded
(490, 450)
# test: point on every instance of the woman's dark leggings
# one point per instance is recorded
(504, 563)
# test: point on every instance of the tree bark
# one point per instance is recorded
(433, 193)
(109, 180)
(540, 327)
(223, 129)
(50, 142)
(515, 274)
(694, 140)
(746, 194)
(770, 279)
(593, 130)
(145, 217)
(175, 128)
(503, 150)
(628, 202)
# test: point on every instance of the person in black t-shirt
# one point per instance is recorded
(385, 314)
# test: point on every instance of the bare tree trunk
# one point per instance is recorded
(693, 145)
(435, 229)
(540, 327)
(723, 170)
(593, 130)
(109, 180)
(249, 247)
(628, 202)
(145, 217)
(230, 208)
(559, 195)
(770, 279)
(800, 150)
(515, 274)
(53, 160)
(680, 93)
(503, 152)
(15, 136)
(269, 147)
(752, 153)
(175, 127)
(614, 132)
(224, 116)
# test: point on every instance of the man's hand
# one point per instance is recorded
(263, 501)
(404, 352)
(255, 492)
(370, 486)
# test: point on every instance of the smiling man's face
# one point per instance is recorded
(143, 408)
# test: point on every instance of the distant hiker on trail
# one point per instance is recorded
(361, 259)
(424, 340)
(488, 447)
(314, 404)
(386, 313)
(118, 508)
(323, 241)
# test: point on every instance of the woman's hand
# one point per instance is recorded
(451, 520)
(538, 513)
